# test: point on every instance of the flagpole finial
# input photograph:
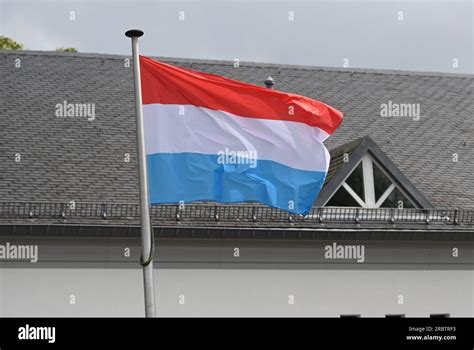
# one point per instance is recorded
(134, 33)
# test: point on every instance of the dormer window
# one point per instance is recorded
(362, 176)
(368, 186)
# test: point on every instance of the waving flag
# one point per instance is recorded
(209, 138)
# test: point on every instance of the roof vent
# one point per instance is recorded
(269, 82)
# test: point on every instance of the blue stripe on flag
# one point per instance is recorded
(188, 177)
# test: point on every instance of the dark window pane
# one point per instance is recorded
(381, 182)
(342, 198)
(393, 200)
(356, 181)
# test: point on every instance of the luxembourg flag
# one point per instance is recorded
(209, 138)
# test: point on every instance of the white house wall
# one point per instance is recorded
(92, 277)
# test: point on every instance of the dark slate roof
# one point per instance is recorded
(73, 159)
(337, 157)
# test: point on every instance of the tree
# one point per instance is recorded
(9, 44)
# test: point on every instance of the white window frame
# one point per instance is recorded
(369, 185)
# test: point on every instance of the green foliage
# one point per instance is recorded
(9, 44)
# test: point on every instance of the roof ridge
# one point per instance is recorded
(244, 63)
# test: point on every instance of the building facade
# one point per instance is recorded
(390, 234)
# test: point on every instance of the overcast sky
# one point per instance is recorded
(410, 35)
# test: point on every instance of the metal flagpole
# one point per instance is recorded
(147, 239)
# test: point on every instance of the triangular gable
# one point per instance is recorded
(350, 157)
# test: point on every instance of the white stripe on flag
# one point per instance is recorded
(179, 129)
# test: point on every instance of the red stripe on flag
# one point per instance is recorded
(167, 84)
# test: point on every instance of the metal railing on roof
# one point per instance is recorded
(229, 213)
